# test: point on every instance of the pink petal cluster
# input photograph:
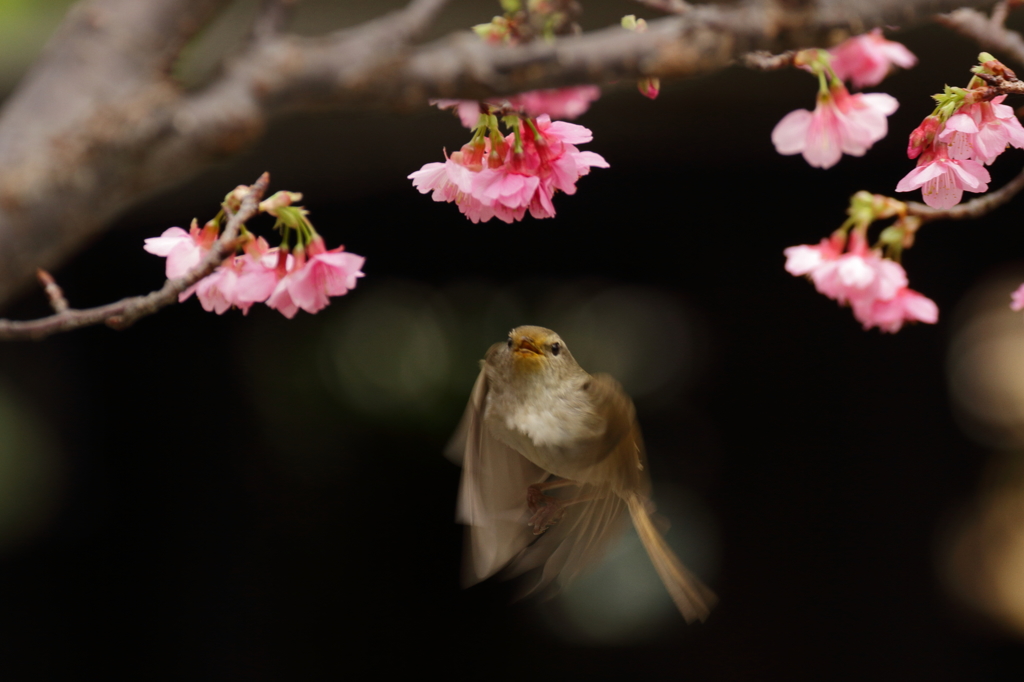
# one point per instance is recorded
(942, 179)
(316, 275)
(866, 60)
(487, 181)
(982, 131)
(874, 287)
(265, 275)
(1017, 299)
(564, 103)
(840, 124)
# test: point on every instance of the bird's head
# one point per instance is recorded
(536, 349)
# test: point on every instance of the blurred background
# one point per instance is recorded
(252, 498)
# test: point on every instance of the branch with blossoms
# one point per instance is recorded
(299, 273)
(968, 129)
(98, 125)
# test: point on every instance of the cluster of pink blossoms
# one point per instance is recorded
(873, 286)
(286, 282)
(952, 154)
(503, 177)
(842, 123)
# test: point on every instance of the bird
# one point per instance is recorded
(552, 457)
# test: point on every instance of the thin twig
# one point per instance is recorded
(974, 208)
(125, 312)
(988, 32)
(53, 291)
(766, 61)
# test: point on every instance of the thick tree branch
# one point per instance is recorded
(97, 125)
(127, 311)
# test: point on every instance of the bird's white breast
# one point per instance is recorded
(546, 425)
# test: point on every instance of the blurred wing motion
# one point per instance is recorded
(492, 494)
(493, 504)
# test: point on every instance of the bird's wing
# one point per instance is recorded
(492, 495)
(587, 529)
(572, 545)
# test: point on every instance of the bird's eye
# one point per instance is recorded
(555, 348)
(510, 342)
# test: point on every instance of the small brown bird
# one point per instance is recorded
(537, 422)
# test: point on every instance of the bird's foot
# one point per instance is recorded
(535, 498)
(547, 511)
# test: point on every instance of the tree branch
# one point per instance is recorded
(125, 312)
(988, 32)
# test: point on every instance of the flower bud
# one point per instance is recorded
(649, 87)
(923, 136)
(279, 199)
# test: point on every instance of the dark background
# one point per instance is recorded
(211, 505)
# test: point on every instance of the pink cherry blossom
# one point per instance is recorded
(317, 275)
(889, 315)
(257, 278)
(858, 277)
(874, 287)
(216, 291)
(943, 180)
(467, 109)
(1017, 299)
(564, 103)
(502, 182)
(183, 250)
(805, 259)
(923, 136)
(866, 59)
(981, 131)
(841, 123)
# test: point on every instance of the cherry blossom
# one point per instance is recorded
(521, 172)
(1017, 299)
(317, 275)
(467, 109)
(873, 286)
(981, 131)
(889, 315)
(866, 60)
(183, 250)
(841, 123)
(216, 292)
(564, 103)
(943, 180)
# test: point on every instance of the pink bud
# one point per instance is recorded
(923, 136)
(649, 87)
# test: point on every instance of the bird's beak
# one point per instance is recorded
(526, 347)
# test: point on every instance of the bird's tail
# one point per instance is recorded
(693, 598)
